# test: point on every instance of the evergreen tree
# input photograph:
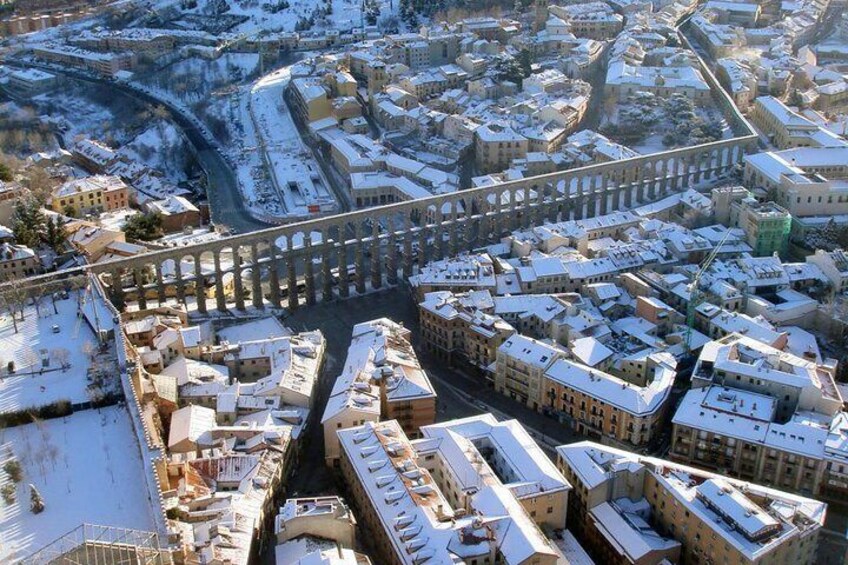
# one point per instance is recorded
(144, 227)
(509, 69)
(28, 223)
(525, 61)
(5, 172)
(54, 235)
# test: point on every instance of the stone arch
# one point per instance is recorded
(180, 269)
(726, 159)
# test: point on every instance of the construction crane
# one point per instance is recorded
(695, 294)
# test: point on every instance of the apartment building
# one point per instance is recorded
(624, 79)
(767, 225)
(31, 81)
(91, 240)
(26, 23)
(91, 195)
(543, 316)
(786, 128)
(310, 98)
(177, 213)
(93, 155)
(109, 64)
(626, 508)
(381, 187)
(470, 491)
(286, 367)
(459, 274)
(324, 516)
(609, 408)
(806, 181)
(381, 380)
(496, 145)
(764, 415)
(834, 265)
(17, 261)
(513, 459)
(146, 41)
(520, 365)
(461, 327)
(592, 20)
(739, 80)
(831, 96)
(317, 530)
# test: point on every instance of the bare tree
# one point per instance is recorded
(89, 349)
(62, 356)
(36, 300)
(94, 393)
(39, 183)
(13, 297)
(31, 358)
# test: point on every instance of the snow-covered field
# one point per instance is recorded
(27, 387)
(86, 467)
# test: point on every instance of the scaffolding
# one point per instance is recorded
(90, 544)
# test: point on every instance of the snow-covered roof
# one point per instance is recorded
(589, 351)
(612, 390)
(415, 515)
(754, 519)
(628, 532)
(190, 423)
(523, 467)
(379, 352)
(530, 351)
(294, 365)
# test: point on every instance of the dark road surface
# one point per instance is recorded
(225, 200)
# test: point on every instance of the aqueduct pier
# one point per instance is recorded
(384, 242)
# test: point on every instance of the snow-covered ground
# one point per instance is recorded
(198, 235)
(650, 144)
(142, 138)
(656, 118)
(87, 469)
(79, 116)
(259, 16)
(35, 339)
(162, 147)
(290, 161)
(254, 183)
(262, 328)
(193, 80)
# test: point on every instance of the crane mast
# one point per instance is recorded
(695, 295)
